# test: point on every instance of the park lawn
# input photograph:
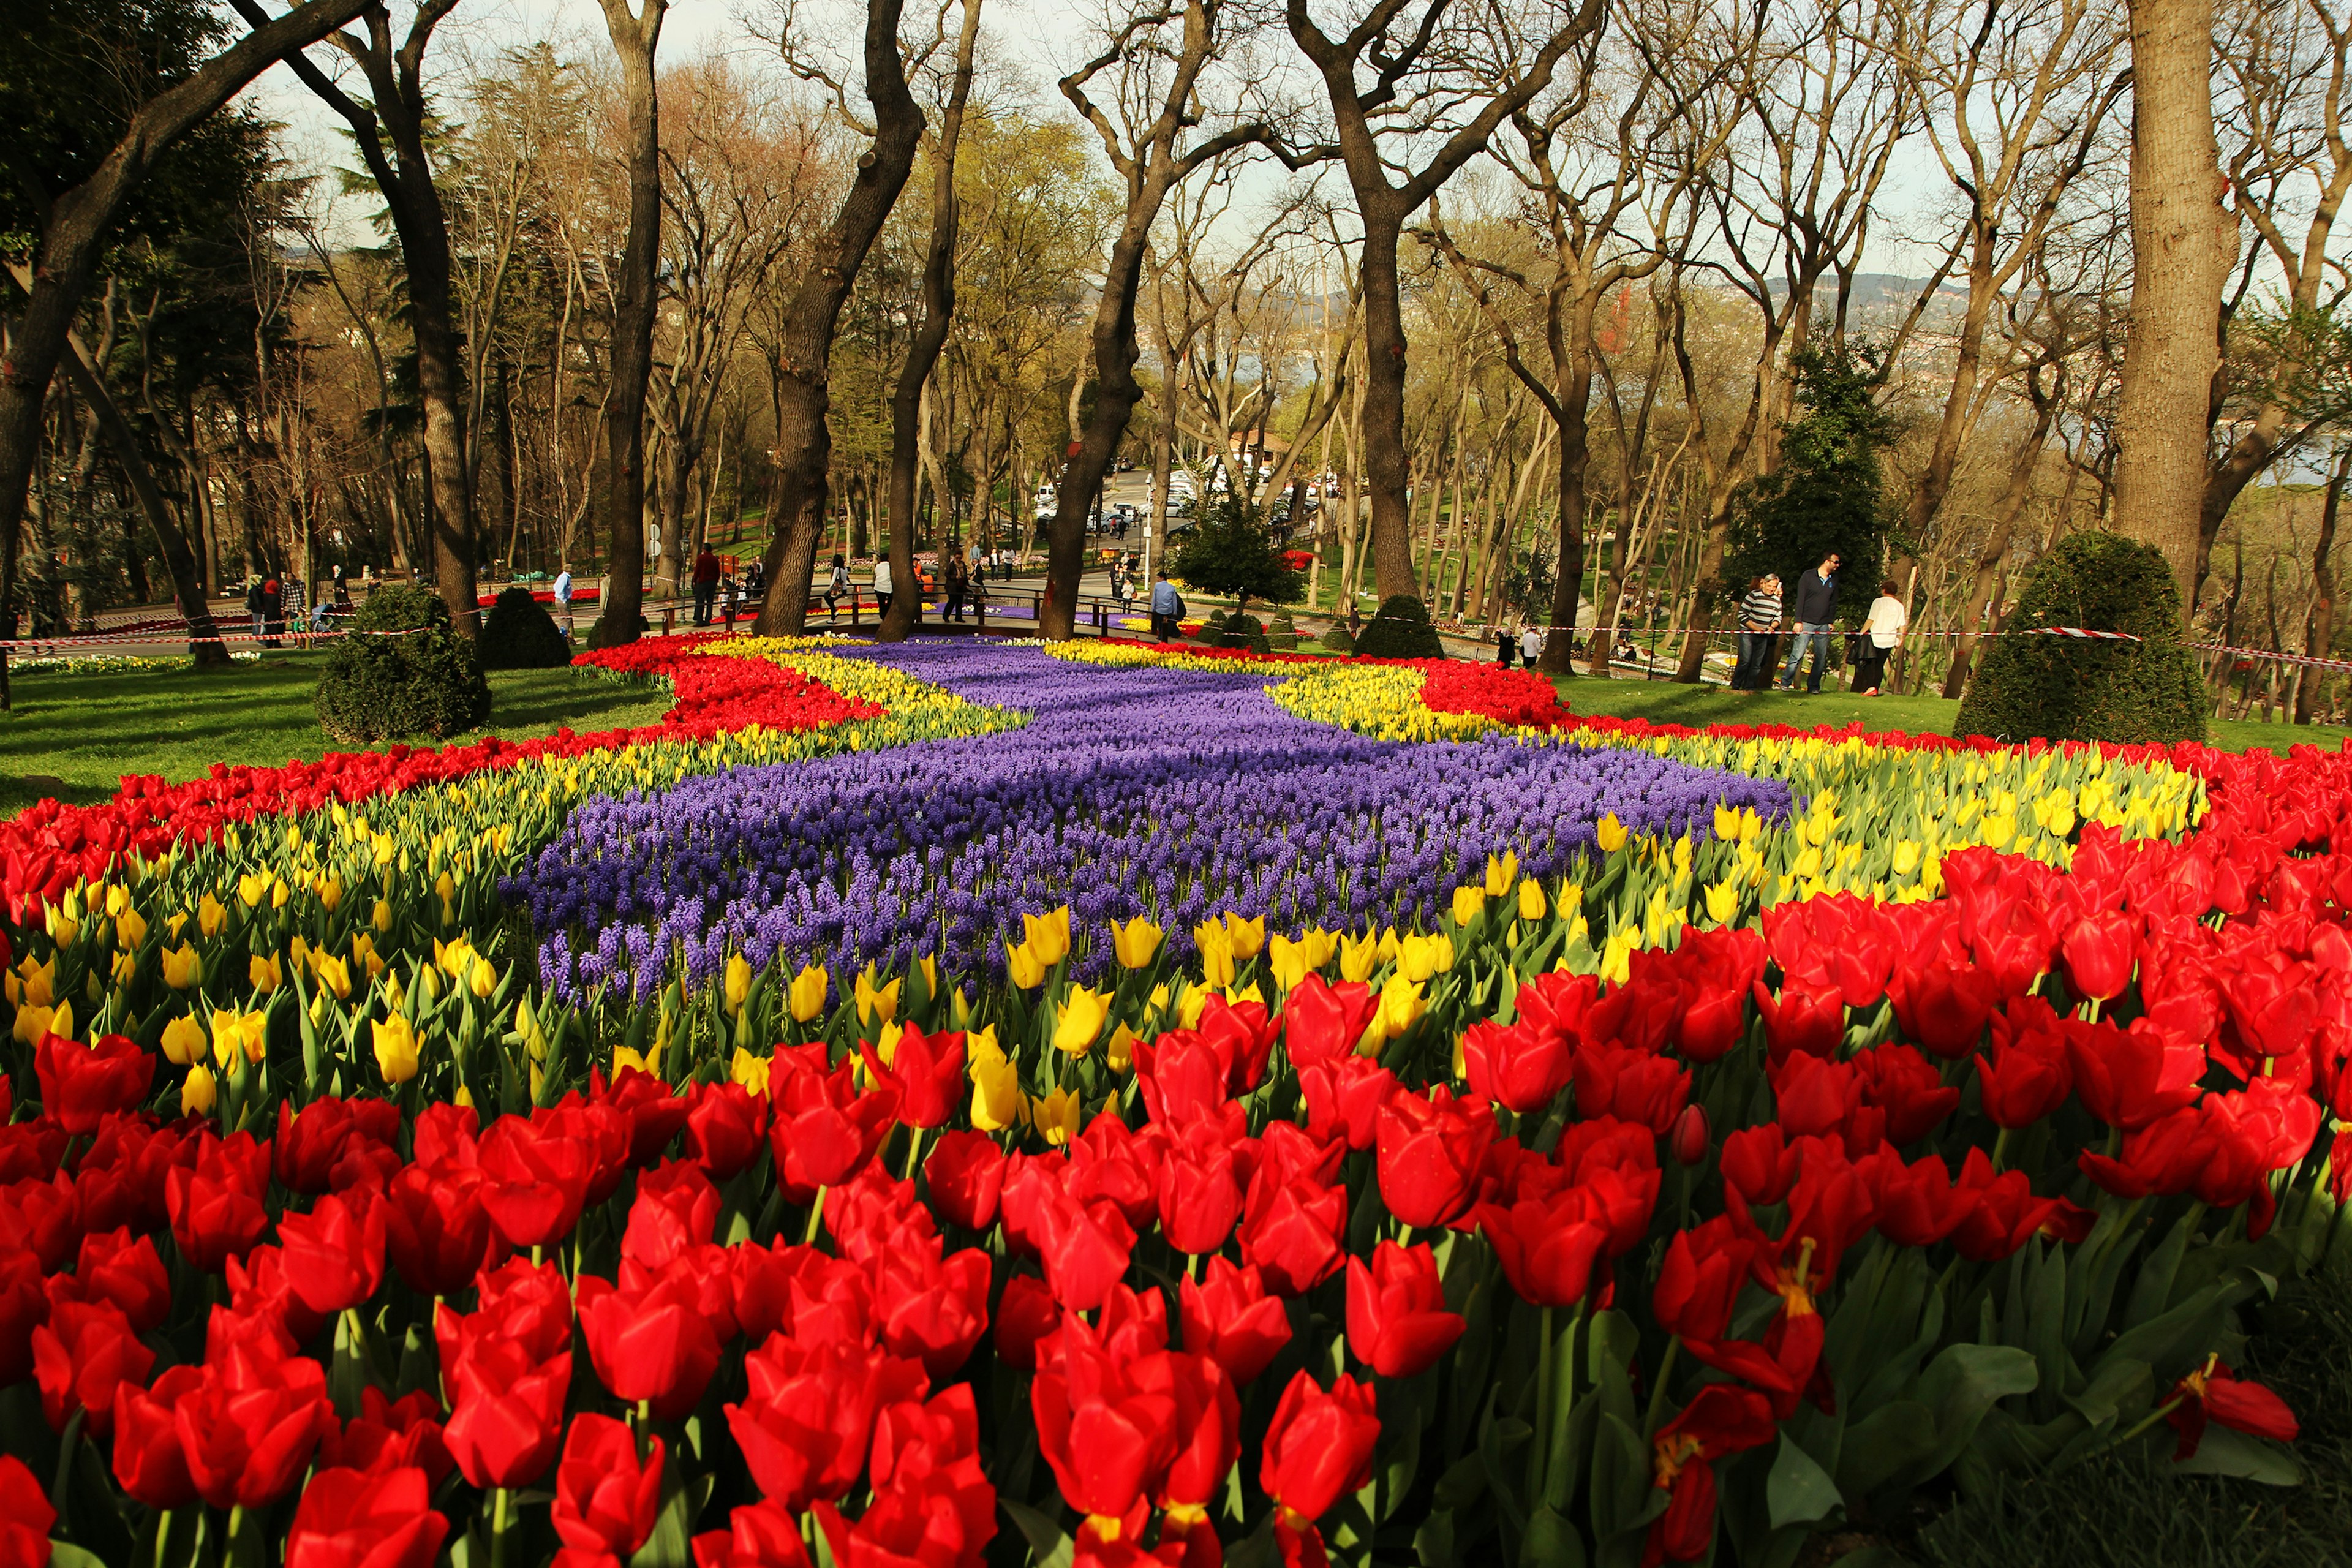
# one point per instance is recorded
(1665, 701)
(80, 734)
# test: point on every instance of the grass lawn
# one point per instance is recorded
(1667, 703)
(84, 731)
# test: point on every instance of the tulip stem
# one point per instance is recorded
(163, 1534)
(1658, 1388)
(1539, 1456)
(1999, 1147)
(645, 1426)
(914, 1152)
(65, 1446)
(499, 1507)
(817, 1216)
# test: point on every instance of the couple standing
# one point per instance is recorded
(1816, 604)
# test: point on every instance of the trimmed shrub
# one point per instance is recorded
(1339, 639)
(1400, 629)
(519, 634)
(1281, 635)
(2073, 689)
(1237, 630)
(425, 682)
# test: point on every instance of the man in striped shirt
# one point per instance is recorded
(1759, 617)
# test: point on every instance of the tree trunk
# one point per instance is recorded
(1975, 613)
(2319, 626)
(635, 298)
(2180, 257)
(805, 343)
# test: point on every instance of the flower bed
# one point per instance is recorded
(1735, 1134)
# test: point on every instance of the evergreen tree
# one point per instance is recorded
(1233, 552)
(1825, 495)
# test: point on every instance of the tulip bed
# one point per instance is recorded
(1105, 1104)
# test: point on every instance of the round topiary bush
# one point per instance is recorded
(1238, 630)
(2073, 688)
(1339, 639)
(1400, 629)
(1281, 635)
(1212, 626)
(519, 634)
(425, 681)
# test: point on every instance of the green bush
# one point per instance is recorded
(1236, 630)
(1339, 639)
(425, 682)
(2070, 689)
(1281, 635)
(519, 634)
(1401, 630)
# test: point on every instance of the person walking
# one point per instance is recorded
(977, 586)
(836, 587)
(273, 611)
(1506, 643)
(882, 591)
(1167, 609)
(1531, 645)
(564, 598)
(959, 583)
(1882, 634)
(1759, 617)
(706, 586)
(253, 607)
(1815, 608)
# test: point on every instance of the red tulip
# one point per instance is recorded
(334, 1253)
(965, 1174)
(653, 1111)
(1688, 1140)
(649, 1338)
(81, 1084)
(537, 1178)
(445, 1134)
(1907, 1089)
(927, 1070)
(2007, 1212)
(1397, 1321)
(26, 1516)
(262, 1297)
(932, 1307)
(507, 1414)
(1522, 1065)
(1085, 1245)
(676, 1209)
(1713, 971)
(1807, 1019)
(1430, 1154)
(216, 1204)
(80, 1355)
(1344, 1096)
(1918, 1204)
(825, 1130)
(2133, 1077)
(1229, 1317)
(603, 1128)
(1722, 1420)
(932, 1504)
(249, 1427)
(2023, 1076)
(1181, 1075)
(332, 1143)
(1291, 1231)
(1944, 1004)
(436, 1229)
(391, 1434)
(31, 1150)
(1830, 1209)
(758, 1535)
(132, 1160)
(1108, 1161)
(1107, 1436)
(2099, 951)
(806, 1425)
(725, 1126)
(1633, 1086)
(2214, 1394)
(44, 1216)
(2012, 942)
(1812, 1096)
(1548, 1247)
(1208, 1436)
(1199, 1191)
(1699, 1282)
(148, 1461)
(24, 1307)
(1242, 1036)
(127, 1273)
(350, 1520)
(1026, 1314)
(605, 1496)
(1322, 1022)
(1759, 1164)
(1318, 1449)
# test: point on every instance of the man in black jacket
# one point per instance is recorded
(1812, 608)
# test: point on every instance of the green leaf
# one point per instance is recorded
(671, 1544)
(1961, 1385)
(1049, 1544)
(1884, 1444)
(66, 1554)
(1800, 1491)
(2223, 1452)
(1551, 1542)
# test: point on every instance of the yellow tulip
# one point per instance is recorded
(239, 1035)
(330, 892)
(876, 1004)
(1121, 1049)
(1049, 936)
(1501, 873)
(996, 1100)
(1532, 903)
(382, 918)
(1195, 1003)
(1246, 937)
(1469, 902)
(124, 968)
(807, 992)
(211, 914)
(264, 974)
(623, 1058)
(1722, 903)
(1727, 820)
(748, 1071)
(1400, 1003)
(482, 978)
(129, 929)
(250, 888)
(1024, 967)
(278, 893)
(1288, 960)
(183, 967)
(363, 952)
(334, 974)
(395, 1049)
(198, 1092)
(444, 888)
(1616, 954)
(37, 987)
(32, 1022)
(1056, 1117)
(1079, 1021)
(1358, 956)
(1611, 833)
(1136, 944)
